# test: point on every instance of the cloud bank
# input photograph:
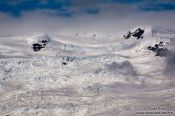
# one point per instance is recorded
(110, 16)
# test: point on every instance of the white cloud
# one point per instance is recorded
(36, 21)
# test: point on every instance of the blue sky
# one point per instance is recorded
(71, 8)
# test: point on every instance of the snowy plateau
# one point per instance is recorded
(86, 74)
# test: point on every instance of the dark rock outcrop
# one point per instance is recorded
(160, 51)
(41, 43)
(138, 33)
(37, 47)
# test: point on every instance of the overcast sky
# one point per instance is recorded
(28, 16)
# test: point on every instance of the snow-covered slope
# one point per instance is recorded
(89, 74)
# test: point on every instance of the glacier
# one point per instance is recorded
(86, 74)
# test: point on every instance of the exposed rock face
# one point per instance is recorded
(138, 33)
(41, 42)
(160, 51)
(37, 46)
